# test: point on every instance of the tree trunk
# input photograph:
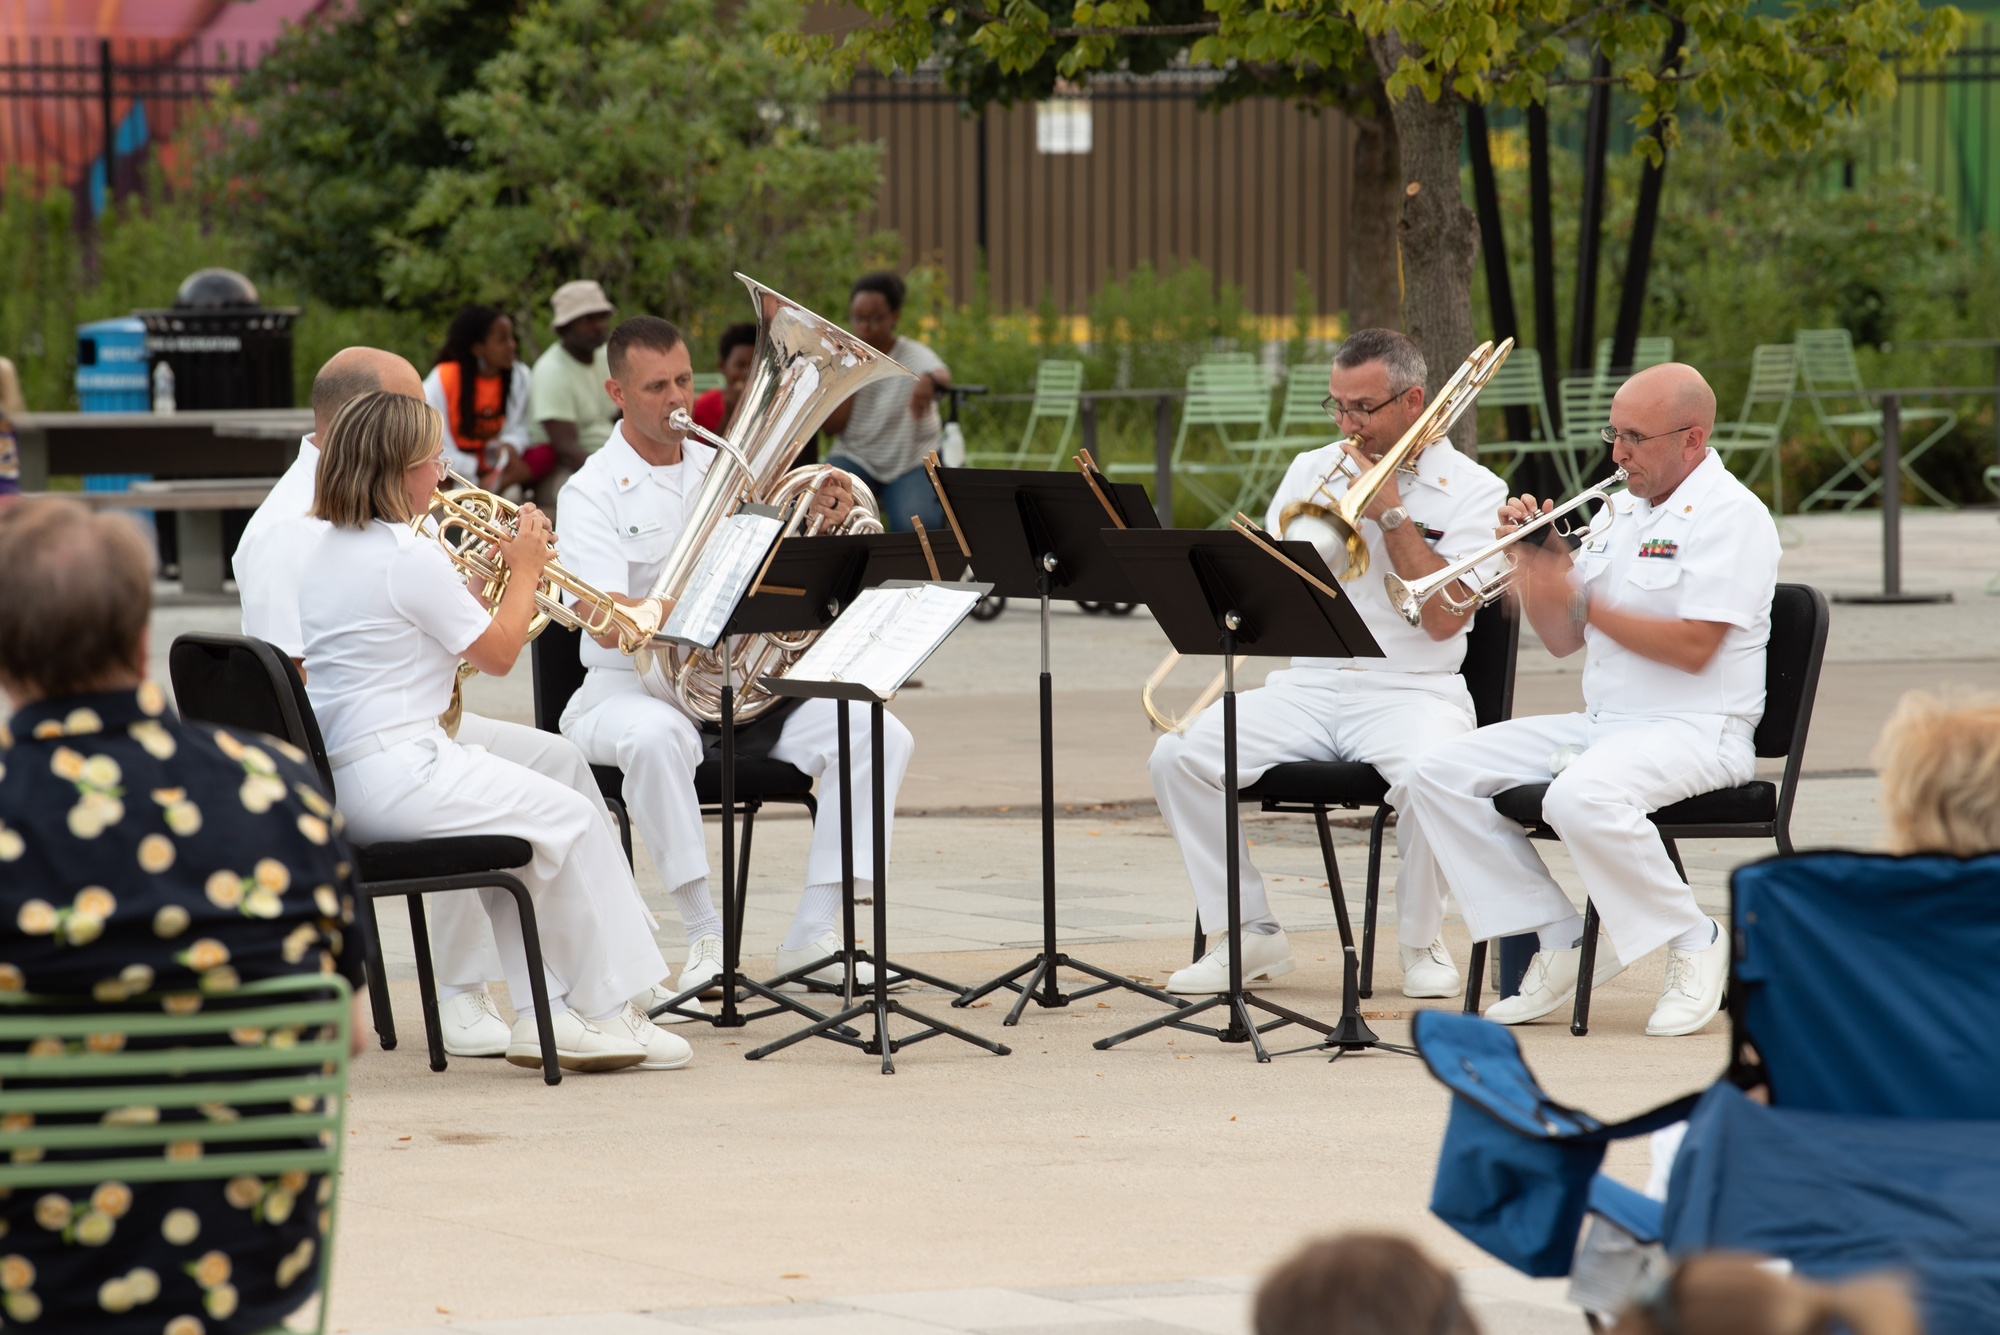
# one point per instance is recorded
(1440, 236)
(1374, 202)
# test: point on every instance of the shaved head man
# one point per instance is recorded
(352, 372)
(1662, 419)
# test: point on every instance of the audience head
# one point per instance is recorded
(1721, 1294)
(873, 305)
(582, 316)
(352, 372)
(1376, 388)
(381, 458)
(1360, 1284)
(79, 590)
(736, 358)
(651, 378)
(1664, 416)
(1940, 765)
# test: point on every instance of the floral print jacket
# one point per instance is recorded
(148, 863)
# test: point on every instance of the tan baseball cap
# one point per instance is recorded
(575, 300)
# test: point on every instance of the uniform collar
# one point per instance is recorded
(628, 470)
(82, 715)
(1687, 499)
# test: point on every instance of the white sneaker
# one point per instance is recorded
(824, 947)
(664, 1051)
(659, 995)
(703, 967)
(1695, 983)
(1429, 972)
(1264, 957)
(472, 1026)
(580, 1045)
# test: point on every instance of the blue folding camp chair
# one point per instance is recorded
(1858, 1000)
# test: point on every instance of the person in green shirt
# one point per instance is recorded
(569, 410)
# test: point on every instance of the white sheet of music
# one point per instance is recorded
(884, 636)
(728, 563)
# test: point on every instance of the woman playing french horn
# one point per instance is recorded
(388, 623)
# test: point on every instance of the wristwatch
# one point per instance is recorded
(1394, 518)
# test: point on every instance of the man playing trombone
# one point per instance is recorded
(1670, 600)
(1385, 712)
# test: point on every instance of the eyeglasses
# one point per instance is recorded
(1359, 412)
(1611, 435)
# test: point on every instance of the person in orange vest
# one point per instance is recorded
(480, 390)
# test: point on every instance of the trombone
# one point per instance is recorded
(1409, 596)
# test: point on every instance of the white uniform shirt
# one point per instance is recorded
(270, 559)
(384, 632)
(513, 427)
(1455, 501)
(1708, 553)
(620, 519)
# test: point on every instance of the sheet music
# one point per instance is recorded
(884, 636)
(728, 563)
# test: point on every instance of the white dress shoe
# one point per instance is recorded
(1264, 957)
(1695, 983)
(664, 1051)
(824, 947)
(703, 967)
(1429, 972)
(580, 1045)
(472, 1026)
(659, 995)
(1549, 984)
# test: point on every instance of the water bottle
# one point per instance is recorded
(163, 388)
(951, 446)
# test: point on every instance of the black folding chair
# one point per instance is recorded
(1314, 786)
(235, 681)
(1759, 809)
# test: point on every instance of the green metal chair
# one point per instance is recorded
(1299, 412)
(1231, 400)
(1646, 352)
(1773, 374)
(1518, 384)
(1586, 410)
(1829, 375)
(1302, 425)
(1058, 397)
(94, 1063)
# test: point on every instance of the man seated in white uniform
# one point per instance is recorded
(1384, 712)
(1670, 600)
(270, 565)
(622, 514)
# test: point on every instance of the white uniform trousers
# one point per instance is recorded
(1628, 766)
(615, 722)
(1384, 719)
(597, 939)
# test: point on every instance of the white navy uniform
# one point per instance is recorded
(1383, 712)
(1650, 734)
(621, 517)
(384, 631)
(270, 563)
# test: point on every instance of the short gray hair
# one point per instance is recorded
(1398, 355)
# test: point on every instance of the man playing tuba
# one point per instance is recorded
(1384, 712)
(623, 512)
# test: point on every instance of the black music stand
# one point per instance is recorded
(1037, 535)
(1218, 592)
(878, 1001)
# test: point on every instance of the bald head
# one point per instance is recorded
(1663, 416)
(352, 372)
(1676, 390)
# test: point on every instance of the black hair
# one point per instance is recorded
(641, 331)
(469, 328)
(734, 337)
(884, 284)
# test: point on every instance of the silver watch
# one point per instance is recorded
(1394, 518)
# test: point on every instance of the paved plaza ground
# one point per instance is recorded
(1137, 1190)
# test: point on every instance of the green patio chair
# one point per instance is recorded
(1518, 384)
(1773, 374)
(1299, 412)
(1653, 351)
(97, 1062)
(1830, 377)
(1230, 400)
(1058, 398)
(1586, 410)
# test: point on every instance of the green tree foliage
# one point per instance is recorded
(329, 140)
(652, 145)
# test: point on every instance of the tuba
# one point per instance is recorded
(804, 368)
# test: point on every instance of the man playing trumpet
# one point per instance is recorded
(1670, 600)
(1384, 712)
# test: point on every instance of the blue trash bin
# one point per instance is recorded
(111, 377)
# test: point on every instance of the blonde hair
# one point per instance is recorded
(1723, 1294)
(1940, 764)
(374, 439)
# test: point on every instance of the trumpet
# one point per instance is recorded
(1409, 596)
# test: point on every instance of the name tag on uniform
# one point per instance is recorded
(641, 528)
(1594, 543)
(1664, 549)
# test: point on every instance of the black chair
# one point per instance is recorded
(235, 681)
(1314, 786)
(558, 673)
(1759, 809)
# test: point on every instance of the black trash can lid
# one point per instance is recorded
(212, 288)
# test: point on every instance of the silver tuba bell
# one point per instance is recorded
(805, 367)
